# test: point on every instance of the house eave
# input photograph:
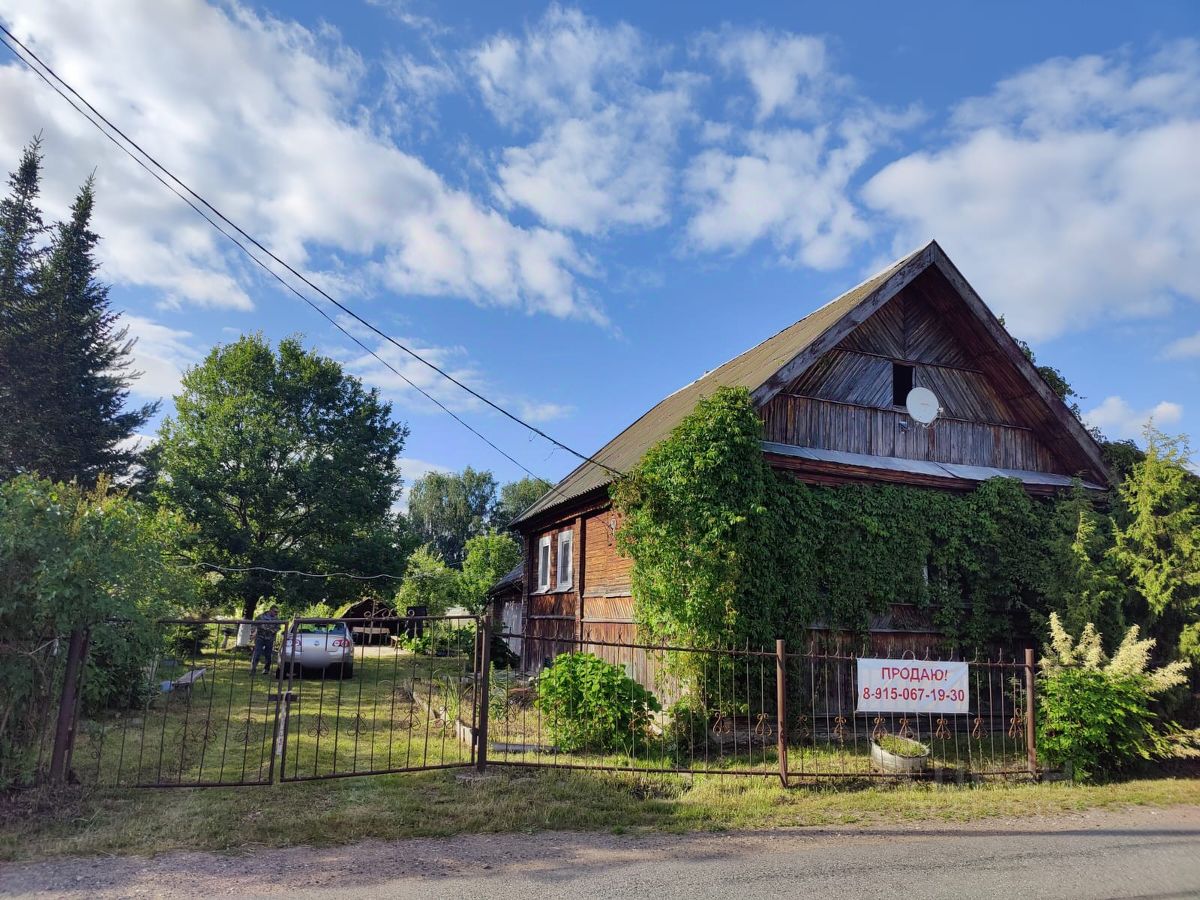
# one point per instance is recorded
(838, 466)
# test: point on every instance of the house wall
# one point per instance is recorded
(556, 621)
(844, 401)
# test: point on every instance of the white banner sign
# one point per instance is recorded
(912, 686)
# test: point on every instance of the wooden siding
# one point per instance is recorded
(806, 422)
(906, 328)
(607, 573)
(844, 400)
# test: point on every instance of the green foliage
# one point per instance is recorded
(698, 523)
(592, 705)
(1088, 587)
(71, 559)
(1158, 538)
(1094, 723)
(489, 557)
(1094, 713)
(728, 552)
(64, 359)
(905, 747)
(284, 461)
(448, 509)
(429, 582)
(516, 497)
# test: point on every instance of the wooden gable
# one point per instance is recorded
(842, 400)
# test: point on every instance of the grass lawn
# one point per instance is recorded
(220, 731)
(148, 821)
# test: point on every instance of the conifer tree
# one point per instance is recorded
(64, 380)
(21, 227)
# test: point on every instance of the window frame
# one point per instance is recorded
(559, 583)
(543, 571)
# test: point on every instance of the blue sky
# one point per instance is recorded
(580, 208)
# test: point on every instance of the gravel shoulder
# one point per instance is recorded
(1150, 852)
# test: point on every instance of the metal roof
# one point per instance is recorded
(749, 370)
(920, 466)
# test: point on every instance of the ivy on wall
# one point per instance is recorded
(728, 551)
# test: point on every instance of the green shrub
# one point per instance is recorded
(1094, 714)
(592, 704)
(1095, 724)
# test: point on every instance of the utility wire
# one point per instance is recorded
(240, 569)
(266, 268)
(200, 199)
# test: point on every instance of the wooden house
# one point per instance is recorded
(831, 390)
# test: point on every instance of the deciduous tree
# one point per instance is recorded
(448, 509)
(284, 461)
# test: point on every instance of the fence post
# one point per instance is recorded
(68, 707)
(781, 707)
(483, 681)
(283, 697)
(1030, 712)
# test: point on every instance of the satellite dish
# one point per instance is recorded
(922, 405)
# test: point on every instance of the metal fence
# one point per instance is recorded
(766, 712)
(350, 697)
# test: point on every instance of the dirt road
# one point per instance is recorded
(1138, 853)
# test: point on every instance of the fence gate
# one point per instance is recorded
(346, 700)
(369, 696)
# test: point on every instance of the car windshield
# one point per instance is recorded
(320, 628)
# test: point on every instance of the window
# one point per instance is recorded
(902, 383)
(565, 541)
(543, 567)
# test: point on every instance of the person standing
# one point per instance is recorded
(265, 629)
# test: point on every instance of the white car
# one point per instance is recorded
(319, 645)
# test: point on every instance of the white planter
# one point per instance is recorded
(884, 761)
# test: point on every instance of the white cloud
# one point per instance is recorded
(544, 412)
(263, 117)
(1070, 194)
(564, 64)
(789, 186)
(160, 354)
(1118, 420)
(1184, 347)
(789, 73)
(606, 121)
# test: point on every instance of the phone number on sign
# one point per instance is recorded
(939, 695)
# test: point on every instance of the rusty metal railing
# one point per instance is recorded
(389, 694)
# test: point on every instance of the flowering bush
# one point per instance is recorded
(1095, 715)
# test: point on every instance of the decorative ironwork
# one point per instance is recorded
(246, 735)
(1016, 725)
(904, 731)
(318, 726)
(762, 727)
(942, 733)
(839, 729)
(977, 728)
(878, 729)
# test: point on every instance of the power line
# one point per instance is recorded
(242, 569)
(254, 241)
(233, 239)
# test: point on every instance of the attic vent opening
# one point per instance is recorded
(902, 383)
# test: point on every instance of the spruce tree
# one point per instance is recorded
(67, 369)
(21, 227)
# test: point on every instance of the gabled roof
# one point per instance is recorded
(765, 369)
(514, 578)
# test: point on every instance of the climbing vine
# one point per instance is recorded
(728, 551)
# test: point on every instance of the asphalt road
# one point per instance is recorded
(1137, 853)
